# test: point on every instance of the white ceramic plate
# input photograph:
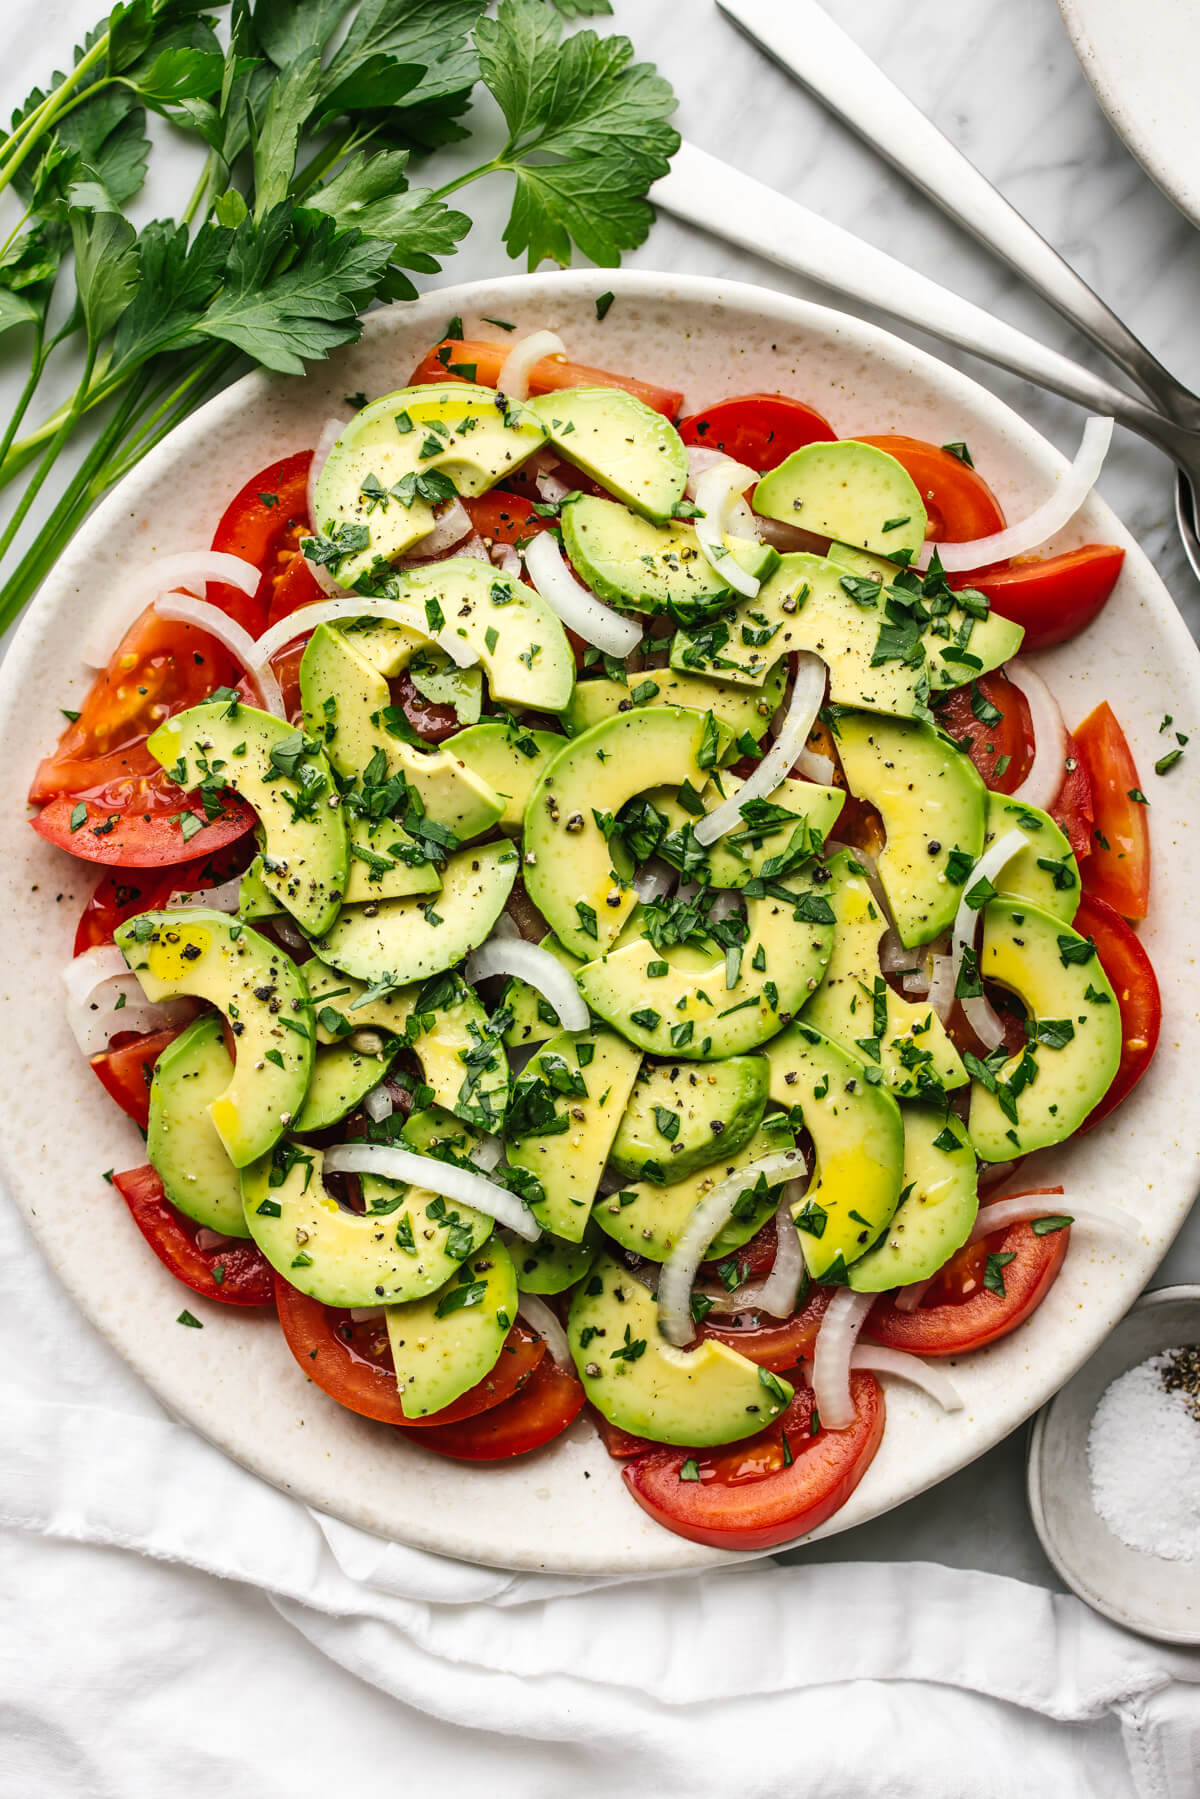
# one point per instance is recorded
(1143, 62)
(234, 1381)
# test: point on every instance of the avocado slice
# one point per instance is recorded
(855, 1005)
(285, 776)
(520, 642)
(551, 1265)
(745, 714)
(182, 1141)
(932, 802)
(569, 871)
(346, 705)
(643, 567)
(342, 1076)
(534, 1018)
(682, 1118)
(402, 940)
(805, 814)
(263, 994)
(680, 1002)
(369, 494)
(1073, 1029)
(992, 639)
(636, 1380)
(407, 1243)
(1046, 872)
(508, 759)
(849, 491)
(647, 1219)
(858, 1142)
(632, 451)
(565, 1109)
(385, 863)
(447, 1342)
(938, 1203)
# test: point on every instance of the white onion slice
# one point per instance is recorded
(225, 898)
(717, 491)
(378, 1104)
(1040, 786)
(394, 612)
(894, 958)
(941, 985)
(539, 1317)
(505, 558)
(1055, 511)
(1022, 1208)
(487, 1154)
(474, 547)
(523, 358)
(458, 1184)
(550, 488)
(84, 973)
(700, 459)
(816, 767)
(578, 609)
(450, 526)
(808, 690)
(191, 568)
(978, 1013)
(935, 1381)
(844, 1318)
(104, 997)
(908, 1298)
(654, 880)
(537, 967)
(705, 1219)
(233, 636)
(777, 1294)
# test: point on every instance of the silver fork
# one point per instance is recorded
(805, 41)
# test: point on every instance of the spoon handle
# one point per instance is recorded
(805, 41)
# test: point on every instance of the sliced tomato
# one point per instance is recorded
(124, 894)
(126, 1071)
(1052, 597)
(1000, 747)
(958, 1312)
(761, 430)
(550, 1400)
(296, 586)
(455, 360)
(353, 1362)
(160, 667)
(775, 1343)
(263, 524)
(505, 517)
(1072, 808)
(1129, 969)
(140, 824)
(1118, 869)
(769, 1489)
(235, 1274)
(958, 500)
(620, 1444)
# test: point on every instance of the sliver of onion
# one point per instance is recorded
(808, 690)
(238, 642)
(578, 609)
(378, 1104)
(1048, 769)
(190, 568)
(978, 1013)
(1023, 1208)
(1055, 511)
(717, 491)
(537, 967)
(450, 526)
(523, 358)
(844, 1318)
(225, 898)
(876, 1360)
(395, 612)
(706, 1218)
(539, 1317)
(458, 1184)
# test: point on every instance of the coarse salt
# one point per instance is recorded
(1144, 1456)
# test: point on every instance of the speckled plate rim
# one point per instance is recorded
(565, 1509)
(1167, 155)
(1057, 1520)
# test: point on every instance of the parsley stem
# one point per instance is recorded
(200, 191)
(485, 168)
(311, 173)
(49, 458)
(25, 136)
(40, 353)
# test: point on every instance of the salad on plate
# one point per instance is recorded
(595, 907)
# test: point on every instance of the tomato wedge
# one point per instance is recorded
(353, 1362)
(140, 826)
(958, 500)
(122, 895)
(1052, 597)
(958, 1312)
(125, 1072)
(454, 360)
(505, 517)
(1072, 807)
(761, 430)
(1118, 869)
(776, 1343)
(751, 1495)
(235, 1274)
(1128, 967)
(263, 524)
(550, 1400)
(989, 719)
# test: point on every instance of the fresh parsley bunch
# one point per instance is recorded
(309, 113)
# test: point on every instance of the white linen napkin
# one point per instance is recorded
(845, 1678)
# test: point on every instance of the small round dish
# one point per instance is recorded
(1146, 1593)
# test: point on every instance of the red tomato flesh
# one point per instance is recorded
(749, 1496)
(124, 894)
(1129, 969)
(125, 1072)
(959, 503)
(761, 430)
(235, 1274)
(549, 1401)
(957, 1312)
(263, 524)
(1054, 597)
(452, 359)
(1001, 749)
(774, 1343)
(1118, 869)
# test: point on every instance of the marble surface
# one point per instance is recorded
(1003, 83)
